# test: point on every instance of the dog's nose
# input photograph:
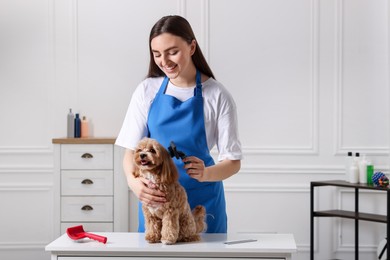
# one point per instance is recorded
(142, 155)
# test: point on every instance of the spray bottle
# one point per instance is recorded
(70, 124)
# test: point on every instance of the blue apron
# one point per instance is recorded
(183, 123)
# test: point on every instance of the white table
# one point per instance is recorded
(132, 246)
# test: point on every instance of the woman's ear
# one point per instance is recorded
(193, 47)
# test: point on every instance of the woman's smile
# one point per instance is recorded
(170, 68)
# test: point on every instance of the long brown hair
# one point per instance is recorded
(178, 26)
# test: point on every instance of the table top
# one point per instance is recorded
(134, 244)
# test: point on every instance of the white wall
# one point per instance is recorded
(310, 79)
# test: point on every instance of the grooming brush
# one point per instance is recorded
(77, 232)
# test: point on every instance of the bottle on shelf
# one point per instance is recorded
(353, 172)
(357, 156)
(70, 124)
(370, 172)
(357, 161)
(348, 162)
(363, 169)
(84, 127)
(77, 126)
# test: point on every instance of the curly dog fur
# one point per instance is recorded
(172, 221)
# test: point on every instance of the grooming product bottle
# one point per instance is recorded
(348, 162)
(77, 126)
(370, 172)
(353, 172)
(357, 157)
(84, 127)
(70, 124)
(357, 161)
(363, 170)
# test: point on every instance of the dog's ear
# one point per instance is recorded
(136, 172)
(136, 169)
(169, 172)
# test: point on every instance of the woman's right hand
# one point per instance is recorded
(147, 192)
(144, 189)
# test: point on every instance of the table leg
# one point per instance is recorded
(356, 224)
(388, 225)
(311, 222)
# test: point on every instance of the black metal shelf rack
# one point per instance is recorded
(356, 215)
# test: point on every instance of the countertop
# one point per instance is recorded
(134, 244)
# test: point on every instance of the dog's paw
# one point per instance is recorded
(192, 238)
(151, 238)
(168, 242)
(169, 239)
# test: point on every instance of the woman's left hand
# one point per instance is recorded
(195, 168)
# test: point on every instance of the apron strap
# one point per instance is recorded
(164, 86)
(197, 90)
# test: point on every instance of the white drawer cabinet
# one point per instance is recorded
(104, 227)
(83, 183)
(92, 209)
(88, 157)
(90, 187)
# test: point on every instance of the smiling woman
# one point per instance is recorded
(173, 34)
(310, 80)
(173, 56)
(181, 101)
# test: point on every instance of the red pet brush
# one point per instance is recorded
(77, 232)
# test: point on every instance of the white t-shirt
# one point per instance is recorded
(220, 116)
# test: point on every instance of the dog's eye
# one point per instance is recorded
(138, 150)
(152, 150)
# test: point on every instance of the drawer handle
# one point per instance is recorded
(87, 181)
(86, 208)
(87, 156)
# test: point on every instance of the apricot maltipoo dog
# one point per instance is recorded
(173, 220)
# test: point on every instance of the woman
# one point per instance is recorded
(181, 101)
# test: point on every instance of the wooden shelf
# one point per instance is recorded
(84, 140)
